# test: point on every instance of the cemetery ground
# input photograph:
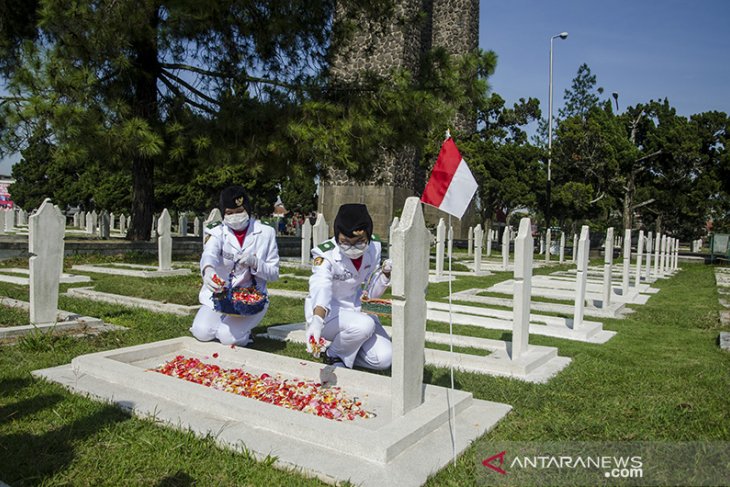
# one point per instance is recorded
(661, 378)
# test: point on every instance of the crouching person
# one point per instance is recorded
(239, 252)
(340, 267)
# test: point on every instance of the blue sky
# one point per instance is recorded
(641, 49)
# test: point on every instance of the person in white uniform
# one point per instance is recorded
(341, 266)
(240, 249)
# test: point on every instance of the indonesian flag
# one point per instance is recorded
(451, 186)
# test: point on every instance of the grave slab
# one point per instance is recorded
(144, 271)
(614, 310)
(725, 340)
(538, 364)
(379, 451)
(24, 281)
(65, 321)
(148, 304)
(505, 287)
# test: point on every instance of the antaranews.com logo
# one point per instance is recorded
(604, 463)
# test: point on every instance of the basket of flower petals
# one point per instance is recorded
(240, 300)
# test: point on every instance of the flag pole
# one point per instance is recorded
(451, 352)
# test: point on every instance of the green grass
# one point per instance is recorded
(662, 377)
(10, 316)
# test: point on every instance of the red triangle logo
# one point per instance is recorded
(497, 468)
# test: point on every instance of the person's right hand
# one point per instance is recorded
(208, 279)
(314, 331)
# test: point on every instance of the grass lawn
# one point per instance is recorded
(662, 377)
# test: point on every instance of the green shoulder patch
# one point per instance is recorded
(212, 225)
(375, 238)
(325, 246)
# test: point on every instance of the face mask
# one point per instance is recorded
(354, 252)
(237, 221)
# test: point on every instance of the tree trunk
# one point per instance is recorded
(629, 201)
(144, 105)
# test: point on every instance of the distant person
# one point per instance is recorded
(340, 267)
(237, 252)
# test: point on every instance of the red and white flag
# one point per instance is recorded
(451, 185)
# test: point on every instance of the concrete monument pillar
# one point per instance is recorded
(440, 237)
(470, 241)
(581, 275)
(45, 244)
(505, 247)
(639, 256)
(306, 241)
(648, 242)
(626, 264)
(478, 236)
(607, 268)
(548, 243)
(562, 247)
(411, 251)
(164, 241)
(524, 248)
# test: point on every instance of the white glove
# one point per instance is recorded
(208, 275)
(387, 267)
(314, 331)
(249, 260)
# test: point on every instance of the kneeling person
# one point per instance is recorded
(244, 250)
(333, 308)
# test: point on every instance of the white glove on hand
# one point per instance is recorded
(208, 274)
(314, 331)
(249, 260)
(387, 267)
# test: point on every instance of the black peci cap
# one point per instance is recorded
(352, 217)
(234, 197)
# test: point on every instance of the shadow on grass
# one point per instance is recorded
(14, 384)
(178, 479)
(28, 407)
(36, 457)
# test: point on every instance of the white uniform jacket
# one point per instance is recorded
(336, 284)
(221, 249)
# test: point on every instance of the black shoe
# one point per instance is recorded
(327, 360)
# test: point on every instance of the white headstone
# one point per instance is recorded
(440, 238)
(607, 268)
(478, 236)
(122, 224)
(662, 255)
(82, 220)
(562, 247)
(581, 275)
(89, 224)
(575, 247)
(490, 234)
(306, 241)
(505, 247)
(164, 241)
(639, 256)
(626, 264)
(196, 226)
(470, 241)
(657, 251)
(393, 226)
(2, 221)
(45, 244)
(649, 247)
(76, 219)
(94, 222)
(548, 244)
(9, 220)
(542, 244)
(411, 250)
(105, 227)
(676, 254)
(524, 247)
(182, 222)
(213, 217)
(112, 221)
(320, 231)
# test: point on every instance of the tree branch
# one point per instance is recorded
(596, 200)
(644, 203)
(190, 87)
(220, 74)
(175, 90)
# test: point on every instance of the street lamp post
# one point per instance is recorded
(562, 35)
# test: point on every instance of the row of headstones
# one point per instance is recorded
(12, 218)
(696, 245)
(106, 222)
(665, 259)
(491, 236)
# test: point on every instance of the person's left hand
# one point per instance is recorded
(248, 260)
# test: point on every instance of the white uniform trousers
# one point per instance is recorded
(358, 339)
(209, 324)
